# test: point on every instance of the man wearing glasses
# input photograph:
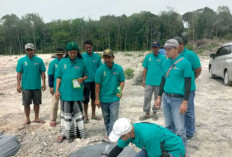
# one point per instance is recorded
(30, 69)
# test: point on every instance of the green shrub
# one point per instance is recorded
(199, 51)
(129, 73)
(189, 47)
(228, 36)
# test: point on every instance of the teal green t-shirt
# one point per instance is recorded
(31, 72)
(174, 83)
(109, 79)
(195, 63)
(149, 136)
(153, 64)
(52, 70)
(68, 71)
(92, 63)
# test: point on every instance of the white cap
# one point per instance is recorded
(121, 127)
(171, 43)
(29, 46)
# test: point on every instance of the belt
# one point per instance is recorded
(174, 95)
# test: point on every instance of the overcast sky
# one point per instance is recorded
(69, 9)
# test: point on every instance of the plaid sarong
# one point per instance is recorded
(72, 120)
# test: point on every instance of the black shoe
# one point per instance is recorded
(190, 138)
(154, 116)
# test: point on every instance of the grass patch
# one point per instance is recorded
(129, 73)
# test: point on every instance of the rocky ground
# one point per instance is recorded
(213, 113)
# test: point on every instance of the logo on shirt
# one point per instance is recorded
(65, 66)
(77, 67)
(104, 73)
(25, 63)
(158, 60)
(176, 68)
(94, 60)
(115, 73)
(36, 63)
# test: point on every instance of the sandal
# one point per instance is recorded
(60, 139)
(86, 120)
(52, 124)
(144, 117)
(96, 118)
(26, 123)
(154, 116)
(39, 121)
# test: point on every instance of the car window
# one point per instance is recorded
(223, 51)
(230, 49)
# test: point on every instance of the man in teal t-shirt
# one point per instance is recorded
(152, 74)
(93, 62)
(52, 70)
(152, 139)
(30, 69)
(175, 89)
(109, 81)
(196, 71)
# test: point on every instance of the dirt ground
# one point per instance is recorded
(213, 106)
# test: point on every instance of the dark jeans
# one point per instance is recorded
(190, 116)
(110, 114)
(174, 121)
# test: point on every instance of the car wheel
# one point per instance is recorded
(211, 75)
(227, 81)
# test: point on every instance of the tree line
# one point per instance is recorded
(124, 33)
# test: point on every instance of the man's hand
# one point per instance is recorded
(183, 107)
(43, 87)
(52, 90)
(157, 102)
(57, 95)
(80, 80)
(143, 84)
(19, 88)
(98, 103)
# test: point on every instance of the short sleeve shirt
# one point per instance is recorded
(68, 71)
(31, 69)
(153, 64)
(175, 82)
(92, 63)
(109, 80)
(193, 58)
(149, 136)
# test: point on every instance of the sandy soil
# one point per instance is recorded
(213, 113)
